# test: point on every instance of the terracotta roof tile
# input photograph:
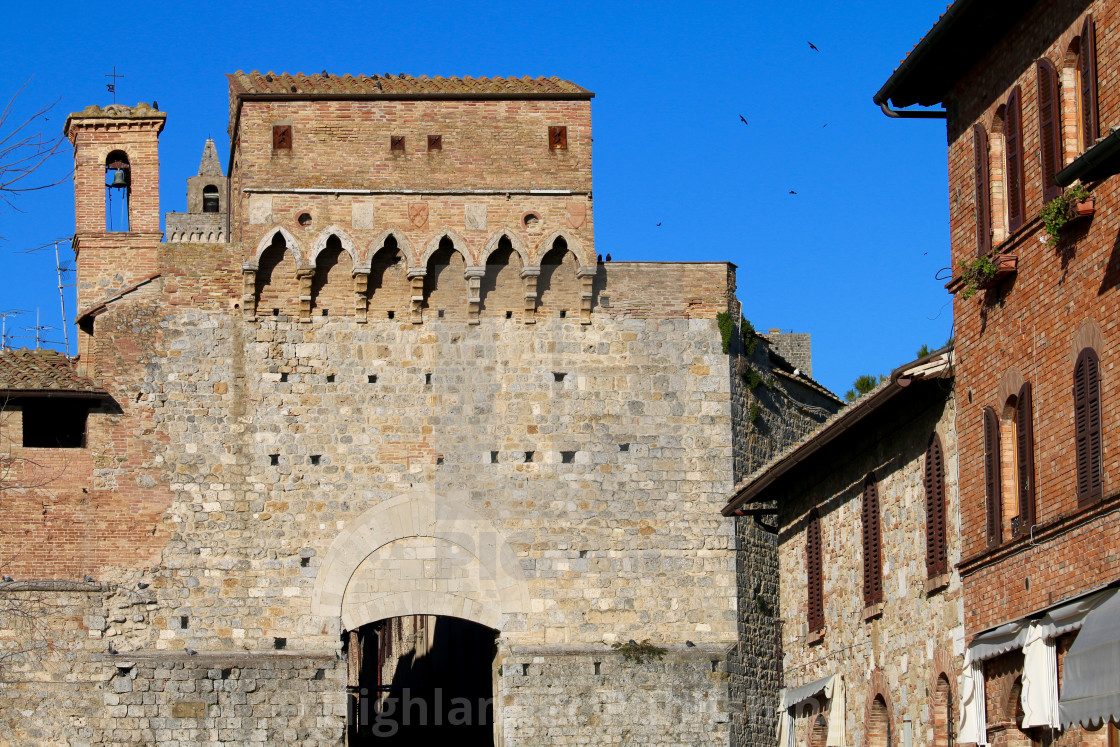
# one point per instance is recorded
(26, 370)
(394, 86)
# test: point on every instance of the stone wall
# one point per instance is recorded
(899, 650)
(795, 347)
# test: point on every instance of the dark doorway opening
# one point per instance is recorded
(421, 679)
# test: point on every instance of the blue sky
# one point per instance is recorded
(851, 258)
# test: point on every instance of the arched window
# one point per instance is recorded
(944, 725)
(937, 561)
(1087, 84)
(1087, 426)
(1013, 138)
(872, 544)
(818, 731)
(878, 724)
(997, 175)
(992, 478)
(210, 199)
(1049, 127)
(982, 197)
(814, 568)
(118, 190)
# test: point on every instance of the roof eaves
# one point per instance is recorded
(938, 364)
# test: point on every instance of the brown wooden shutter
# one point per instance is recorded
(1087, 66)
(281, 137)
(872, 544)
(991, 477)
(1024, 438)
(558, 137)
(1087, 426)
(983, 195)
(814, 566)
(1014, 144)
(1049, 127)
(936, 547)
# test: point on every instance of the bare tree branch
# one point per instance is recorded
(25, 149)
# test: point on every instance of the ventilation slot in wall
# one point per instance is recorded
(392, 314)
(274, 459)
(315, 458)
(529, 456)
(428, 378)
(304, 562)
(283, 377)
(330, 378)
(567, 457)
(558, 376)
(184, 621)
(624, 447)
(279, 643)
(493, 457)
(509, 315)
(372, 378)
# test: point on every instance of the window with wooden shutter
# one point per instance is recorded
(937, 561)
(558, 137)
(281, 137)
(983, 197)
(814, 566)
(872, 544)
(1087, 70)
(992, 478)
(1013, 139)
(1049, 129)
(1024, 444)
(1087, 426)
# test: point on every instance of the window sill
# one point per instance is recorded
(872, 611)
(936, 583)
(814, 637)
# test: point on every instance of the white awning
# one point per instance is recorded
(799, 695)
(795, 697)
(1090, 691)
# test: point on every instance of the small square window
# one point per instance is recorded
(558, 138)
(281, 137)
(435, 142)
(396, 142)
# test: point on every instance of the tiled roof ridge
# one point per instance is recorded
(255, 82)
(801, 377)
(42, 370)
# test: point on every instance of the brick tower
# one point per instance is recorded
(116, 228)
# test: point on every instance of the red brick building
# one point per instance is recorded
(1030, 98)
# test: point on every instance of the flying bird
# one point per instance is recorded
(793, 192)
(813, 46)
(824, 125)
(744, 119)
(659, 224)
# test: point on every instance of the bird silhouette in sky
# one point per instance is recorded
(659, 224)
(743, 118)
(813, 46)
(793, 192)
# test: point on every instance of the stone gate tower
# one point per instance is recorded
(401, 386)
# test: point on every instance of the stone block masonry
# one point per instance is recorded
(405, 387)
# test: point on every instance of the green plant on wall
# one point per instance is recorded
(755, 411)
(726, 330)
(1056, 213)
(975, 274)
(750, 337)
(639, 652)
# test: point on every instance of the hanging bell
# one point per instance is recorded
(120, 179)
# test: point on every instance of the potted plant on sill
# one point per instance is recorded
(983, 272)
(1073, 204)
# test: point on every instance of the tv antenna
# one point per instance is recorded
(4, 325)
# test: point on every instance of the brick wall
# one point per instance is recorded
(1028, 327)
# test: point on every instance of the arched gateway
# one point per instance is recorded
(420, 553)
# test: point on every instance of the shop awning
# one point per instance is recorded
(999, 640)
(1090, 691)
(798, 695)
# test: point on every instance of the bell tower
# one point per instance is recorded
(116, 197)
